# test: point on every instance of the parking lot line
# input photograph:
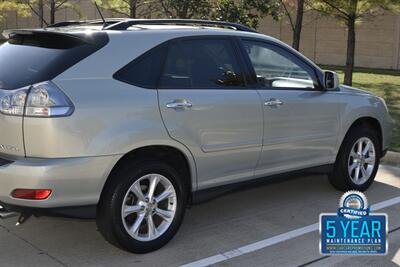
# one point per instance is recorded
(275, 239)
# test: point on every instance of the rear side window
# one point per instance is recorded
(201, 63)
(29, 59)
(145, 70)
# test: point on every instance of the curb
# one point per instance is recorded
(392, 158)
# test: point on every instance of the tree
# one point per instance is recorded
(129, 8)
(296, 26)
(41, 13)
(186, 9)
(39, 6)
(350, 13)
(245, 12)
(21, 8)
(126, 8)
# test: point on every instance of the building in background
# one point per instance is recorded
(323, 40)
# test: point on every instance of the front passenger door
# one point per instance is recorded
(301, 121)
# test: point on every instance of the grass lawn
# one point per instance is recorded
(384, 83)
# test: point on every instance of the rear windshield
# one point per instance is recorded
(29, 59)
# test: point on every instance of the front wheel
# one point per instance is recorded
(358, 161)
(142, 207)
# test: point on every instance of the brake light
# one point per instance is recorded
(31, 194)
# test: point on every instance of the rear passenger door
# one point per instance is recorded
(206, 105)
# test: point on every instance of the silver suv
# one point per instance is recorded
(133, 120)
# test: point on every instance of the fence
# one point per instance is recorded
(323, 40)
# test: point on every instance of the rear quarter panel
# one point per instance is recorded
(110, 117)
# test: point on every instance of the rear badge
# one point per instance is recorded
(353, 229)
(8, 148)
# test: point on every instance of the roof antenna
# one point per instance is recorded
(101, 15)
(38, 14)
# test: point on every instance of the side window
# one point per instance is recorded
(275, 68)
(201, 63)
(145, 70)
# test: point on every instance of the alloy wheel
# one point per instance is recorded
(149, 207)
(362, 159)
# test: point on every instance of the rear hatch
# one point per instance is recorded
(30, 57)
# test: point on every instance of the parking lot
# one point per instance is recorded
(271, 224)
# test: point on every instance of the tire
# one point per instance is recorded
(120, 230)
(343, 176)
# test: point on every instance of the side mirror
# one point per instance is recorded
(331, 80)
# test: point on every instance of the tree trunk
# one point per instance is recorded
(41, 13)
(133, 8)
(351, 47)
(183, 10)
(52, 11)
(182, 14)
(299, 25)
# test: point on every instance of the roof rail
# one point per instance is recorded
(86, 22)
(125, 24)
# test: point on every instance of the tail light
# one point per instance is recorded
(39, 100)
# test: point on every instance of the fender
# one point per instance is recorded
(362, 106)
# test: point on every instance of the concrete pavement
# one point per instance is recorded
(223, 224)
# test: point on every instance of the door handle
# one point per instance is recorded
(179, 104)
(273, 102)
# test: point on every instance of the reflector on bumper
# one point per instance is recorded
(31, 194)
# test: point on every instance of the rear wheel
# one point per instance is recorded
(358, 160)
(142, 207)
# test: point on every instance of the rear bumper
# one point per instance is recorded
(74, 181)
